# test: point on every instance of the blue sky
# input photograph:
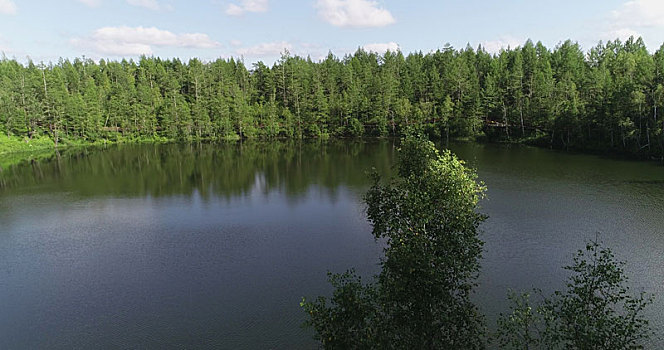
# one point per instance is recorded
(261, 29)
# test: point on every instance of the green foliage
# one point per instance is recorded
(17, 145)
(421, 299)
(596, 311)
(349, 322)
(355, 128)
(609, 98)
(526, 326)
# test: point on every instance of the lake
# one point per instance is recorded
(214, 245)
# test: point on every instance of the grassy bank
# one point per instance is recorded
(14, 150)
(9, 145)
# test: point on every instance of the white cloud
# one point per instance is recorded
(236, 43)
(234, 10)
(133, 41)
(265, 49)
(503, 42)
(381, 48)
(621, 33)
(354, 13)
(148, 4)
(639, 13)
(90, 3)
(247, 6)
(8, 7)
(634, 17)
(3, 49)
(269, 51)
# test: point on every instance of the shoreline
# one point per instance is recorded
(14, 150)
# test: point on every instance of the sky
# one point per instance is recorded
(260, 30)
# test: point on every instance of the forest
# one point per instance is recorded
(607, 99)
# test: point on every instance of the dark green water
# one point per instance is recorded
(213, 246)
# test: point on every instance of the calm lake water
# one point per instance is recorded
(213, 246)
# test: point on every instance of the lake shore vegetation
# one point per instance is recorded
(608, 99)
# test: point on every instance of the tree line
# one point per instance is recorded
(608, 98)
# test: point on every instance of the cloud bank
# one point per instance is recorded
(502, 43)
(247, 6)
(354, 13)
(8, 7)
(635, 16)
(381, 48)
(134, 41)
(148, 4)
(265, 49)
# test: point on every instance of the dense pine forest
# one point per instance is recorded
(606, 99)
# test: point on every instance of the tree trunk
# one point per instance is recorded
(612, 145)
(507, 128)
(567, 145)
(523, 130)
(648, 135)
(553, 133)
(447, 135)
